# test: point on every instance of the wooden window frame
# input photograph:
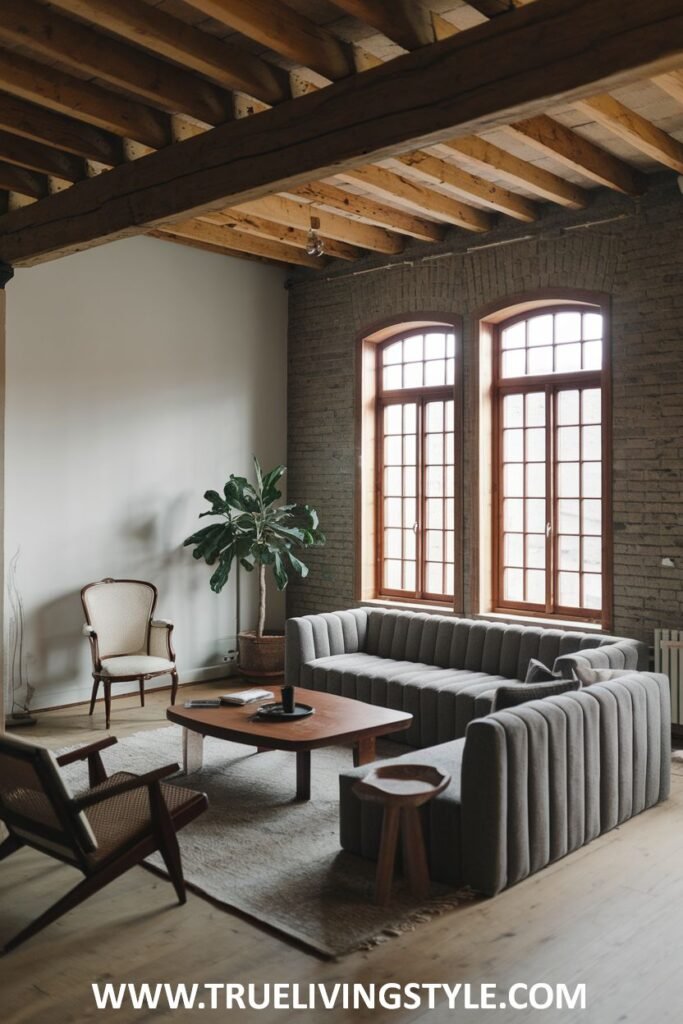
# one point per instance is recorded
(369, 457)
(551, 384)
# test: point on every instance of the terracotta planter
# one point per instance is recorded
(261, 657)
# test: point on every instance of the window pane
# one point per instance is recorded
(592, 325)
(434, 417)
(409, 483)
(535, 587)
(409, 544)
(450, 371)
(535, 515)
(392, 378)
(592, 554)
(535, 444)
(568, 553)
(513, 585)
(393, 480)
(412, 349)
(434, 513)
(392, 574)
(568, 358)
(409, 511)
(592, 518)
(434, 576)
(514, 337)
(592, 355)
(540, 360)
(513, 480)
(393, 353)
(568, 516)
(412, 375)
(393, 419)
(435, 346)
(568, 444)
(592, 443)
(392, 543)
(450, 345)
(410, 450)
(449, 513)
(568, 479)
(450, 546)
(450, 579)
(435, 373)
(392, 512)
(592, 591)
(392, 451)
(409, 580)
(434, 449)
(434, 545)
(434, 481)
(591, 475)
(514, 549)
(513, 411)
(569, 586)
(409, 418)
(591, 405)
(540, 330)
(535, 409)
(514, 363)
(450, 449)
(535, 480)
(450, 413)
(513, 445)
(535, 551)
(513, 514)
(568, 407)
(567, 327)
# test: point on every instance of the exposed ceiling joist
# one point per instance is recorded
(406, 22)
(369, 211)
(238, 241)
(431, 168)
(26, 183)
(252, 224)
(85, 51)
(394, 187)
(66, 94)
(33, 122)
(34, 156)
(453, 88)
(153, 29)
(643, 135)
(443, 29)
(671, 84)
(514, 171)
(284, 30)
(553, 139)
(297, 214)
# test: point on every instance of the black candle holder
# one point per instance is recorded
(288, 702)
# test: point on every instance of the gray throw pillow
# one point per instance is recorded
(512, 696)
(537, 672)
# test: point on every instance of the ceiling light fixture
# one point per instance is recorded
(316, 245)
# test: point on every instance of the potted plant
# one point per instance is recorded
(259, 534)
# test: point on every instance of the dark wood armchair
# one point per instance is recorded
(118, 822)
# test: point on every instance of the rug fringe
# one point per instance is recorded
(436, 907)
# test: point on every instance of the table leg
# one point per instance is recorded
(387, 855)
(365, 751)
(303, 775)
(414, 855)
(193, 751)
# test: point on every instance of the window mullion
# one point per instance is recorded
(420, 518)
(550, 502)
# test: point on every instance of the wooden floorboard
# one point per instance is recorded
(607, 916)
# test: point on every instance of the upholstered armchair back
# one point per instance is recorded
(120, 612)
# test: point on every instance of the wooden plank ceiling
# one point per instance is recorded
(87, 85)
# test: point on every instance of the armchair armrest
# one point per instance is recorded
(85, 752)
(160, 639)
(89, 631)
(139, 782)
(162, 622)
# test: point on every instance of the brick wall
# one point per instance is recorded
(635, 254)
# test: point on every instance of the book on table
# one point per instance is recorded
(246, 697)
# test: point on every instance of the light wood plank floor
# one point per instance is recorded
(608, 916)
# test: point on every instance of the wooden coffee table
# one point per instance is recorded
(336, 720)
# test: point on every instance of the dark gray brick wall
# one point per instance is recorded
(635, 253)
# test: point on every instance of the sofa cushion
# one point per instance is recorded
(512, 696)
(361, 820)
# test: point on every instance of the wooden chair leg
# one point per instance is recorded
(93, 698)
(387, 855)
(174, 685)
(107, 702)
(10, 845)
(142, 692)
(168, 840)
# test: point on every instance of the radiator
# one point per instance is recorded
(669, 660)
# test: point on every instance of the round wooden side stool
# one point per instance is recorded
(401, 789)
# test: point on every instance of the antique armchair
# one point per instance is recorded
(113, 826)
(126, 642)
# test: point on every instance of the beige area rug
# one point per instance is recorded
(260, 852)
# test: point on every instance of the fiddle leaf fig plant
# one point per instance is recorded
(257, 532)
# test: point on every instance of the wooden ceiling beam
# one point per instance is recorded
(33, 122)
(514, 171)
(493, 8)
(395, 188)
(166, 235)
(65, 94)
(640, 133)
(288, 212)
(405, 22)
(252, 224)
(153, 29)
(169, 88)
(671, 84)
(474, 81)
(282, 29)
(369, 211)
(35, 156)
(239, 241)
(553, 139)
(26, 183)
(431, 168)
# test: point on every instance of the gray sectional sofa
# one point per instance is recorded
(528, 784)
(444, 671)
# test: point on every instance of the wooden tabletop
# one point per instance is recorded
(335, 718)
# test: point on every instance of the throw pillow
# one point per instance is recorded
(588, 676)
(537, 672)
(512, 696)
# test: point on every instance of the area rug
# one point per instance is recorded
(260, 852)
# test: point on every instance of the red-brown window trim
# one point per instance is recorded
(551, 383)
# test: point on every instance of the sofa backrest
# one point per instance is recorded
(542, 779)
(478, 645)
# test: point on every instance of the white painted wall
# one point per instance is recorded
(139, 375)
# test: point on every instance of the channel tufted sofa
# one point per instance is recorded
(533, 783)
(442, 670)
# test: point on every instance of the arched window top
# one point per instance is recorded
(560, 339)
(418, 359)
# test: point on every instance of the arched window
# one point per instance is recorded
(550, 471)
(418, 465)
